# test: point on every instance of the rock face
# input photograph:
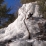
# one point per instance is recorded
(25, 29)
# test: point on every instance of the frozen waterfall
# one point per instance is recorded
(22, 28)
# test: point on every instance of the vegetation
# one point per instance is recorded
(4, 13)
(3, 9)
(42, 6)
(27, 1)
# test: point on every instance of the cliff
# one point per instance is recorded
(26, 29)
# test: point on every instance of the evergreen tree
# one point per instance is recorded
(4, 14)
(3, 9)
(1, 1)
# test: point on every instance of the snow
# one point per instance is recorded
(20, 30)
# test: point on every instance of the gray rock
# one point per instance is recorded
(22, 43)
(39, 43)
